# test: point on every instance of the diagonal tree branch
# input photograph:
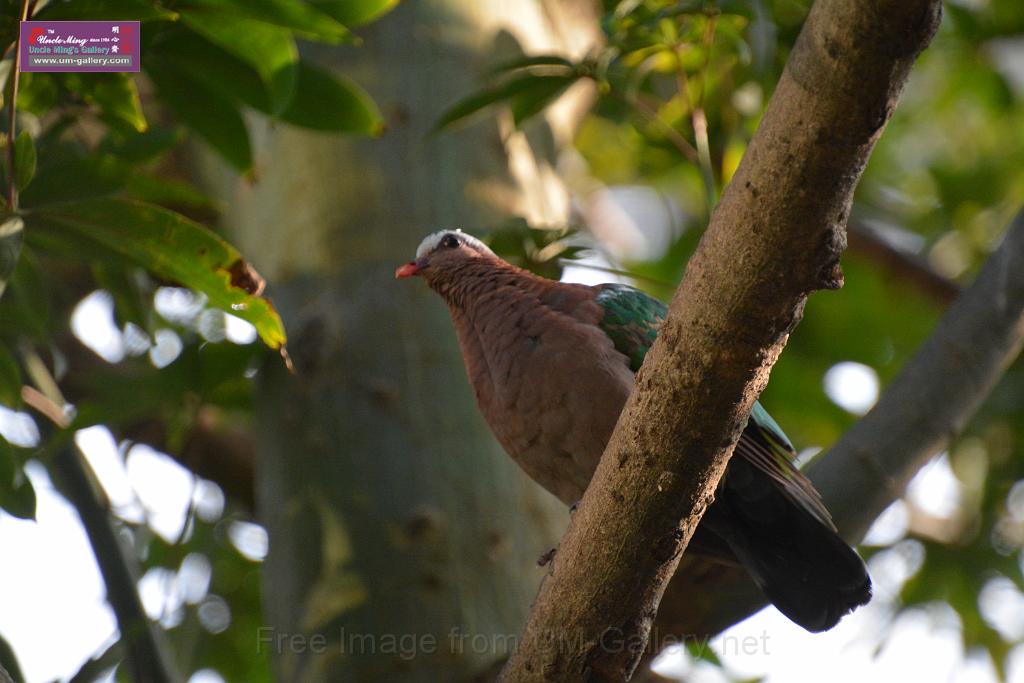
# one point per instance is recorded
(777, 235)
(934, 396)
(147, 657)
(920, 412)
(145, 646)
(908, 267)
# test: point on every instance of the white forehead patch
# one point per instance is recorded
(431, 241)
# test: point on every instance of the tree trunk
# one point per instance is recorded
(403, 541)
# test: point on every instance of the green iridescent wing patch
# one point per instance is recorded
(631, 320)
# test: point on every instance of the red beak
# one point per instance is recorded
(406, 270)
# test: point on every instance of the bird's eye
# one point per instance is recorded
(450, 242)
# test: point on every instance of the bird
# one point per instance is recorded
(552, 363)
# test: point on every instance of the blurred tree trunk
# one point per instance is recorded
(399, 530)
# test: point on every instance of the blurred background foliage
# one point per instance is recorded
(111, 216)
(103, 216)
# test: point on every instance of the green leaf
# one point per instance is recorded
(189, 53)
(532, 101)
(10, 379)
(26, 307)
(118, 98)
(537, 61)
(166, 192)
(37, 92)
(12, 236)
(355, 12)
(24, 160)
(467, 107)
(8, 23)
(132, 301)
(168, 245)
(270, 50)
(209, 113)
(20, 499)
(293, 14)
(17, 496)
(62, 177)
(9, 660)
(702, 650)
(324, 101)
(144, 146)
(112, 10)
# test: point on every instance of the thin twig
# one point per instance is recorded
(673, 135)
(39, 402)
(698, 118)
(92, 669)
(707, 172)
(12, 114)
(564, 262)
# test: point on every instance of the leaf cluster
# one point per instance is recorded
(98, 208)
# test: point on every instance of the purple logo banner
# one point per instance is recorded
(79, 46)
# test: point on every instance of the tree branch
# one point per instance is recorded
(935, 394)
(899, 264)
(924, 407)
(777, 235)
(146, 647)
(146, 652)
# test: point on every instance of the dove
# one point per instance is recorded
(552, 364)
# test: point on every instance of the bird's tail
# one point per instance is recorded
(808, 572)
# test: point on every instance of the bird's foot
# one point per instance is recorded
(573, 507)
(544, 559)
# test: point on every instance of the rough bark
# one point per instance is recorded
(921, 411)
(777, 235)
(400, 533)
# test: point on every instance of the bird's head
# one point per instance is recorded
(442, 253)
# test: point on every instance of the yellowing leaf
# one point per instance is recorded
(165, 243)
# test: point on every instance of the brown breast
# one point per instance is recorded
(548, 381)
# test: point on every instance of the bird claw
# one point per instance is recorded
(544, 559)
(573, 507)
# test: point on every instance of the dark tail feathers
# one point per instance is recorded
(808, 572)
